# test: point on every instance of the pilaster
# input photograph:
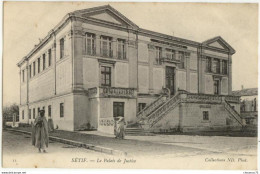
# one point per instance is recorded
(114, 47)
(97, 44)
(229, 74)
(187, 58)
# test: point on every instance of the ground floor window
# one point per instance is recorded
(30, 113)
(247, 120)
(205, 115)
(118, 109)
(141, 106)
(49, 110)
(23, 114)
(33, 113)
(61, 109)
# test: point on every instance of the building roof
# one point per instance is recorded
(119, 20)
(246, 92)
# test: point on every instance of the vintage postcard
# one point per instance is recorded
(130, 85)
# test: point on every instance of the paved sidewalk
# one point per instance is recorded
(132, 146)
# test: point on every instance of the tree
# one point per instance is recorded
(9, 111)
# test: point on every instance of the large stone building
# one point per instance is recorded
(96, 65)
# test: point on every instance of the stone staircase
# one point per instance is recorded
(233, 112)
(156, 111)
(151, 107)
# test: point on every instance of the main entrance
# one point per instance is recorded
(169, 79)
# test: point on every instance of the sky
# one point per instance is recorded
(27, 22)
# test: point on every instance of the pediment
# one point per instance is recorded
(106, 14)
(218, 43)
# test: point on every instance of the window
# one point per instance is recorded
(62, 48)
(182, 60)
(224, 66)
(121, 53)
(158, 55)
(39, 65)
(43, 108)
(43, 61)
(170, 54)
(23, 75)
(30, 114)
(208, 64)
(49, 55)
(118, 109)
(141, 106)
(38, 113)
(216, 66)
(23, 114)
(33, 113)
(33, 68)
(61, 109)
(216, 86)
(49, 110)
(205, 115)
(106, 46)
(247, 120)
(30, 71)
(90, 44)
(105, 76)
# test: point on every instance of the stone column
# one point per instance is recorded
(220, 66)
(97, 44)
(229, 74)
(151, 61)
(114, 47)
(187, 58)
(202, 73)
(77, 59)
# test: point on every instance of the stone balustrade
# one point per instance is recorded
(114, 92)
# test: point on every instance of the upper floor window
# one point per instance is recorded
(33, 68)
(23, 114)
(208, 64)
(43, 61)
(182, 60)
(121, 53)
(216, 87)
(49, 55)
(23, 74)
(216, 66)
(224, 66)
(39, 65)
(61, 48)
(170, 54)
(106, 46)
(105, 76)
(158, 55)
(90, 44)
(30, 71)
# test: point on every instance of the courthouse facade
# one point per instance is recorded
(96, 65)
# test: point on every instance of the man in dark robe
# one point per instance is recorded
(40, 137)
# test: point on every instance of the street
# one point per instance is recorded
(167, 151)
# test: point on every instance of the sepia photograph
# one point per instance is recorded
(130, 85)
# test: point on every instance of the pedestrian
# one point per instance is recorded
(40, 137)
(120, 128)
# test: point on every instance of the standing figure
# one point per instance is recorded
(120, 128)
(40, 138)
(50, 124)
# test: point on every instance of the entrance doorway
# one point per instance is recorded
(170, 79)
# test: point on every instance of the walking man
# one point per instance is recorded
(40, 137)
